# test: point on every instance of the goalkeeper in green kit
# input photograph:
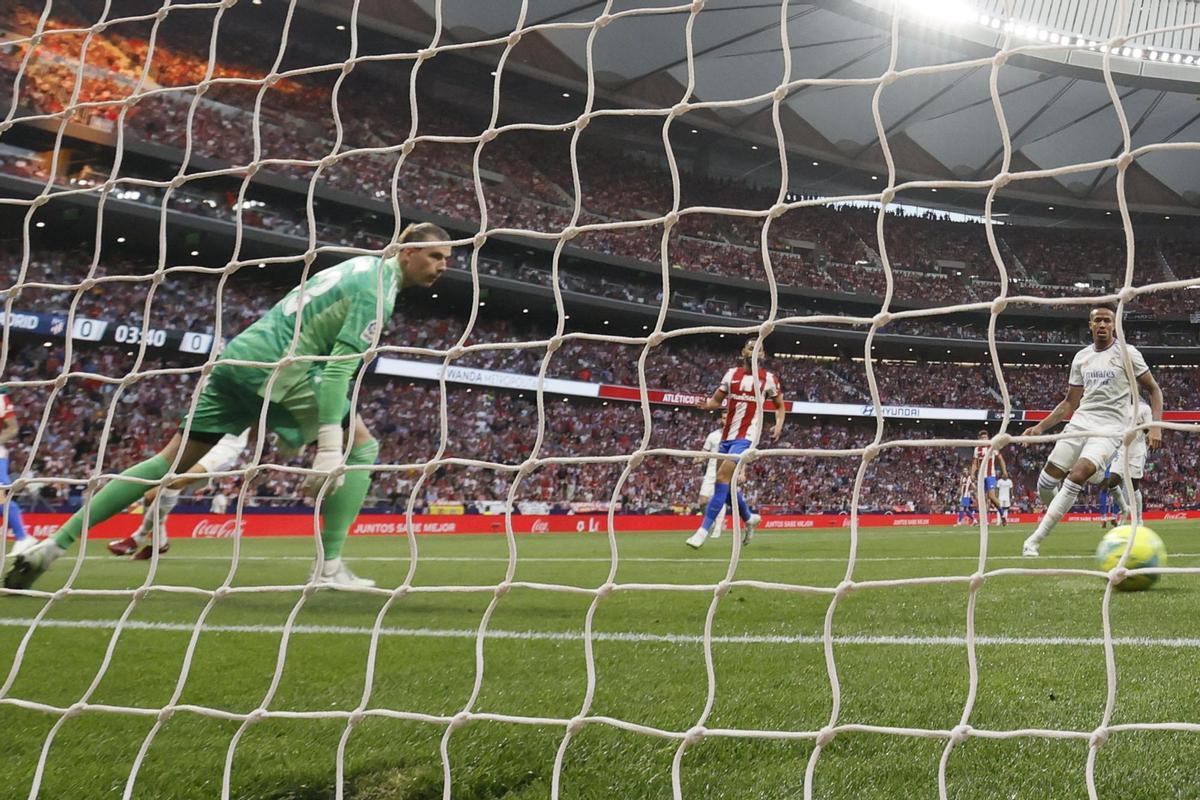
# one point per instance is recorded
(340, 312)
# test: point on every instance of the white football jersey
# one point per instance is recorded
(712, 444)
(1004, 488)
(1106, 402)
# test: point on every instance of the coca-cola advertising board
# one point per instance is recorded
(226, 526)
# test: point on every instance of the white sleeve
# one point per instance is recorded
(771, 390)
(1140, 367)
(1076, 376)
(727, 381)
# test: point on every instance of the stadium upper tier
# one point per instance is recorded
(526, 179)
(186, 302)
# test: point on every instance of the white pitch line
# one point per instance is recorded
(639, 560)
(576, 636)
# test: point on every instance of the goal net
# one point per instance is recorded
(631, 190)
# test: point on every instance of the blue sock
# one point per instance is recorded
(715, 505)
(15, 523)
(743, 507)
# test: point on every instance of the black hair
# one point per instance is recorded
(761, 344)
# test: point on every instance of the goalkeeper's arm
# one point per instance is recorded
(331, 406)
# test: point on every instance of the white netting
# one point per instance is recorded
(672, 116)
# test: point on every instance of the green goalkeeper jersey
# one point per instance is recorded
(340, 305)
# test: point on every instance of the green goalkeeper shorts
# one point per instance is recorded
(230, 405)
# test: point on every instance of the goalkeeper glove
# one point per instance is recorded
(328, 458)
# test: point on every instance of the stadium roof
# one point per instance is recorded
(940, 125)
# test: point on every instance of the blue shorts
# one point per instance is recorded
(966, 501)
(4, 472)
(734, 446)
(989, 483)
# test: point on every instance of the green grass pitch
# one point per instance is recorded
(899, 654)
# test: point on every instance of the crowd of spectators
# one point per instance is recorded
(526, 178)
(500, 427)
(527, 181)
(186, 301)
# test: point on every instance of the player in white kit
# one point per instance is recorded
(159, 504)
(1099, 398)
(712, 444)
(1115, 480)
(1004, 494)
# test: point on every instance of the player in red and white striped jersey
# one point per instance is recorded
(986, 459)
(741, 387)
(966, 506)
(10, 512)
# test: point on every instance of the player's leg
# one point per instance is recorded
(220, 409)
(342, 505)
(1066, 451)
(159, 505)
(161, 502)
(22, 541)
(1129, 512)
(719, 525)
(1116, 492)
(1137, 470)
(295, 420)
(749, 519)
(12, 515)
(1092, 455)
(107, 502)
(1136, 508)
(707, 489)
(993, 499)
(716, 505)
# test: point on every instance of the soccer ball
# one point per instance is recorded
(1148, 551)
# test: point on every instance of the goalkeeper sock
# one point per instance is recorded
(743, 507)
(15, 523)
(1060, 505)
(716, 505)
(1137, 502)
(1047, 488)
(344, 504)
(112, 498)
(157, 515)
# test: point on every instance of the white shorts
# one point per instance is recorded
(1137, 460)
(707, 489)
(224, 454)
(1096, 449)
